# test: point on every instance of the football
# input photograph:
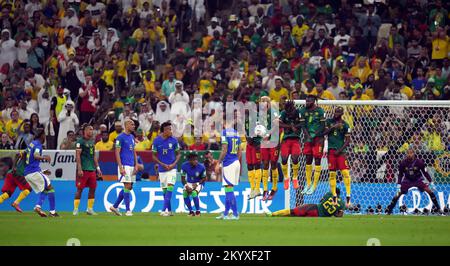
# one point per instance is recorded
(260, 130)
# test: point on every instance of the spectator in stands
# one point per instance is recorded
(142, 142)
(68, 120)
(117, 130)
(69, 143)
(5, 143)
(105, 144)
(198, 145)
(89, 95)
(25, 135)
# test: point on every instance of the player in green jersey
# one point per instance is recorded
(290, 143)
(87, 169)
(338, 132)
(325, 208)
(313, 123)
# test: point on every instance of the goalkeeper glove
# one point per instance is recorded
(399, 188)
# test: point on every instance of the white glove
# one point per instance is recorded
(399, 187)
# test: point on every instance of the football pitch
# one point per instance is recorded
(253, 230)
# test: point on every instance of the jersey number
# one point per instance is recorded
(329, 207)
(28, 156)
(235, 146)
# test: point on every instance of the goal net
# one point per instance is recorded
(381, 132)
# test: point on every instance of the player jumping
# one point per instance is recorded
(290, 143)
(14, 178)
(253, 158)
(36, 178)
(127, 166)
(338, 133)
(313, 121)
(326, 208)
(196, 177)
(166, 154)
(269, 156)
(230, 157)
(87, 169)
(410, 174)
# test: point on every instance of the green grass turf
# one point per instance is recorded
(257, 230)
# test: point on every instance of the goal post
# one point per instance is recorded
(381, 132)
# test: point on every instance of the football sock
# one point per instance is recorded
(3, 197)
(169, 197)
(233, 203)
(285, 212)
(126, 198)
(119, 199)
(347, 181)
(434, 200)
(196, 200)
(284, 167)
(308, 170)
(295, 170)
(41, 199)
(76, 203)
(333, 182)
(275, 179)
(51, 199)
(187, 200)
(265, 178)
(22, 196)
(317, 170)
(251, 179)
(258, 176)
(91, 203)
(228, 193)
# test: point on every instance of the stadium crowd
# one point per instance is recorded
(65, 63)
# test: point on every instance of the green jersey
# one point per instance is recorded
(326, 207)
(255, 141)
(313, 120)
(20, 167)
(336, 137)
(87, 154)
(294, 120)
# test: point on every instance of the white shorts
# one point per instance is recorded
(231, 174)
(129, 177)
(191, 185)
(38, 181)
(169, 177)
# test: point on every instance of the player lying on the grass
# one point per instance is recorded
(290, 144)
(313, 121)
(127, 165)
(196, 177)
(87, 169)
(15, 178)
(338, 132)
(166, 152)
(325, 208)
(38, 180)
(231, 159)
(410, 174)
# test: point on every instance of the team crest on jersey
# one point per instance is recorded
(170, 145)
(197, 173)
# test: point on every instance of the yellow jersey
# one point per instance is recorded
(104, 146)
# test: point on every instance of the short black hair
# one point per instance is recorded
(164, 125)
(192, 155)
(38, 133)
